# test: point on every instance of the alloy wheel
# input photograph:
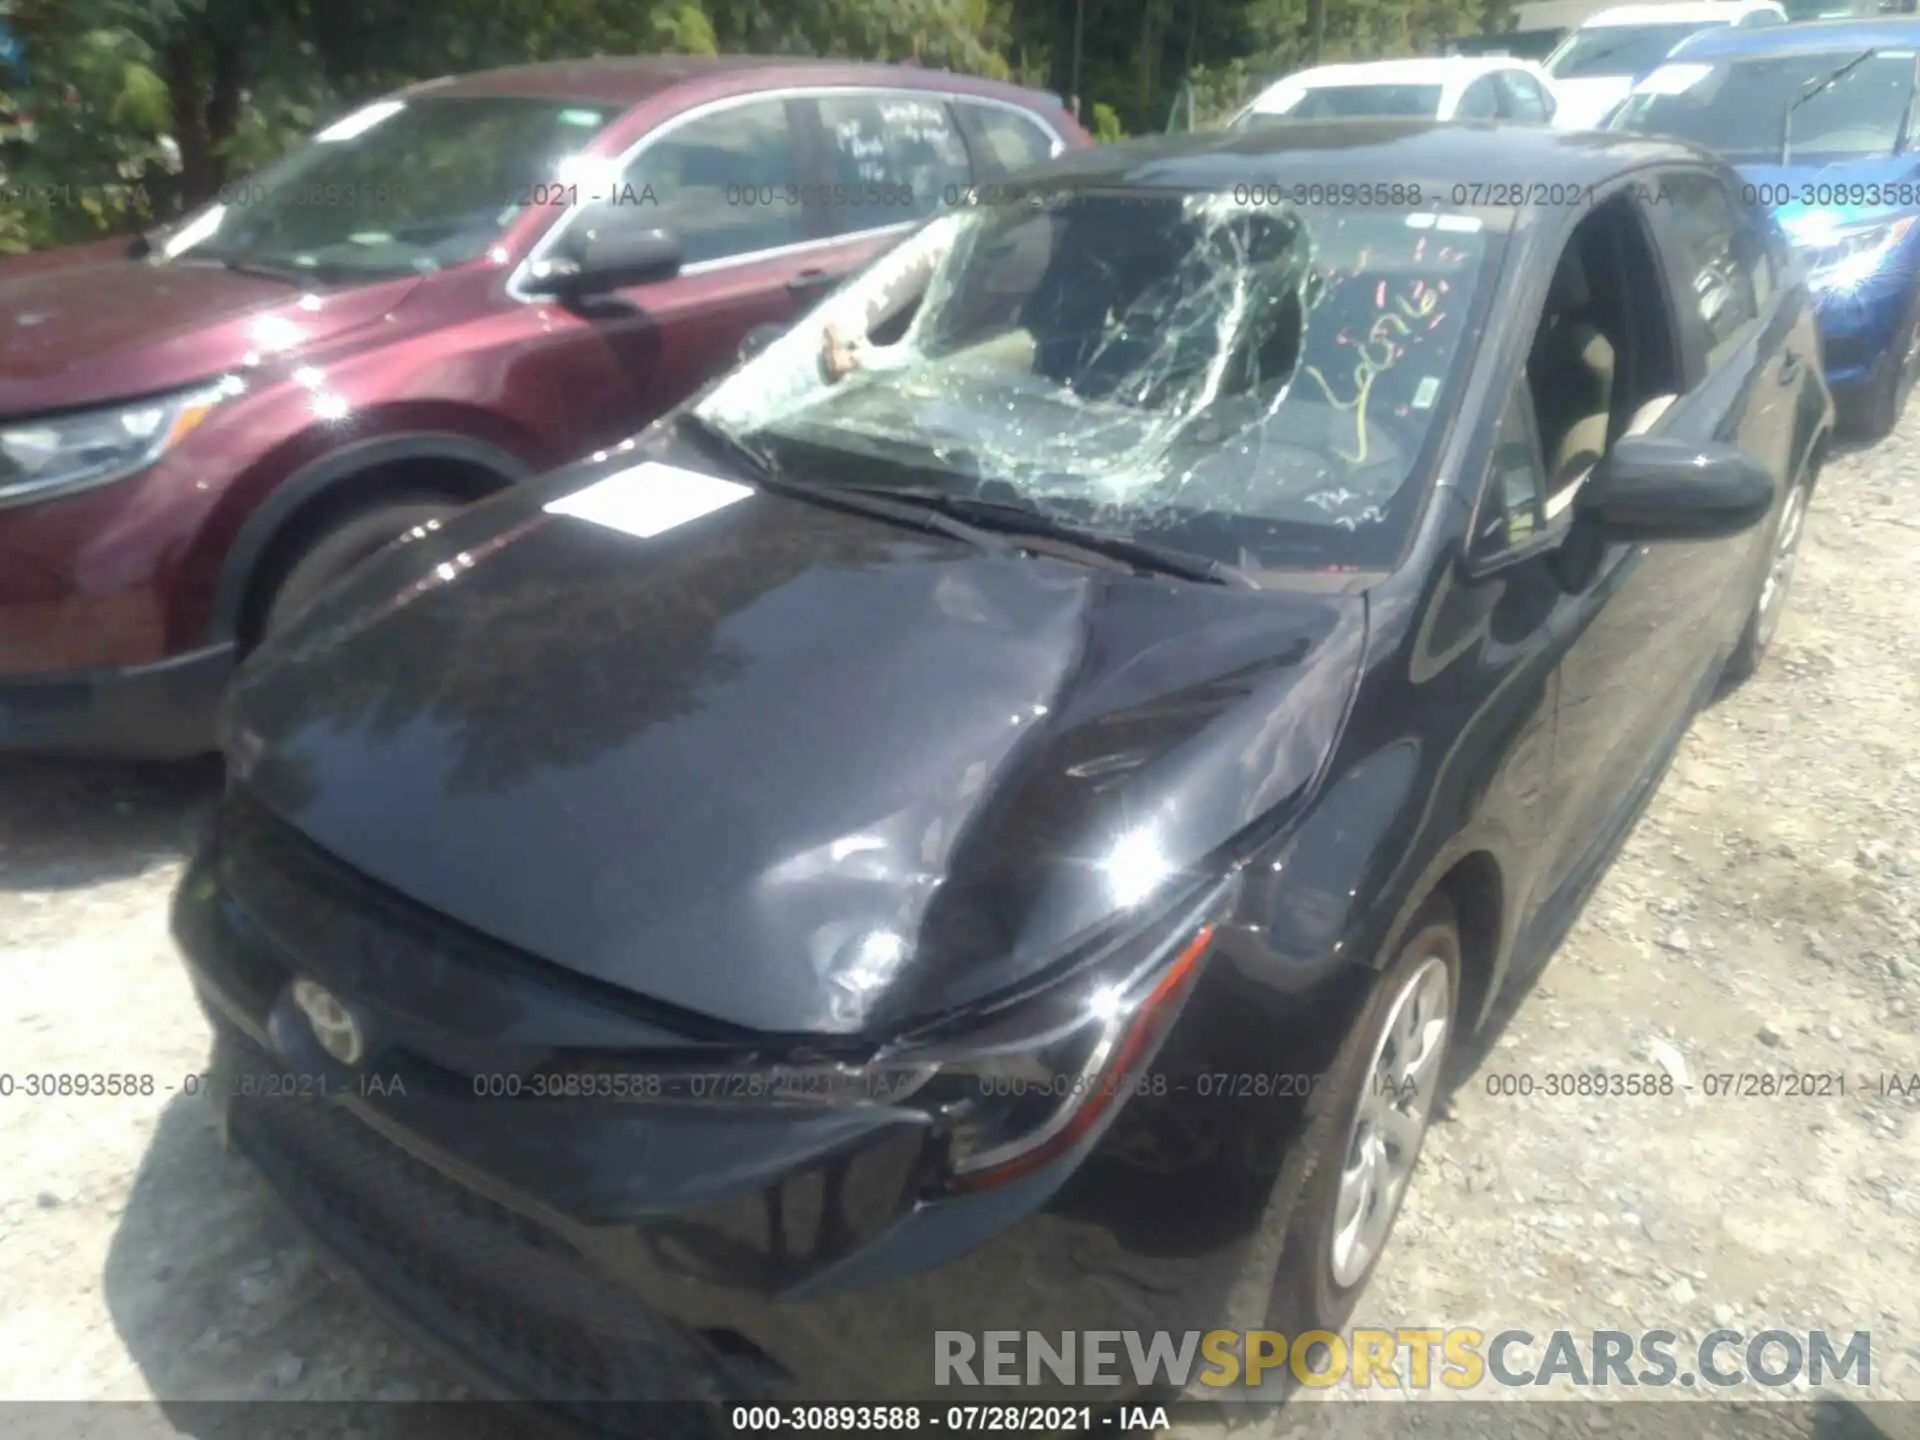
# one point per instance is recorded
(1395, 1106)
(1786, 549)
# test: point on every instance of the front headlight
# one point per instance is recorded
(1009, 1093)
(59, 454)
(1842, 257)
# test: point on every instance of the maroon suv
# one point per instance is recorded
(443, 293)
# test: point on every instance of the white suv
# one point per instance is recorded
(1597, 66)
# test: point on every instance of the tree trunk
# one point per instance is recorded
(1079, 34)
(1151, 31)
(203, 83)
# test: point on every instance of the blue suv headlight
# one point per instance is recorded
(1843, 257)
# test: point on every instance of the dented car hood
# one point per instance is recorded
(783, 765)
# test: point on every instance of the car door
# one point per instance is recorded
(771, 209)
(1630, 631)
(888, 160)
(728, 179)
(1741, 323)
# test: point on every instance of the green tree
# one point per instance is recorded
(140, 109)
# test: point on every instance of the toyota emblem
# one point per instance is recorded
(333, 1024)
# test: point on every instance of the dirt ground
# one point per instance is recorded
(1765, 917)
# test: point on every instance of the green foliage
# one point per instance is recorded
(139, 109)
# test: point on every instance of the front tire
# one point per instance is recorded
(339, 548)
(1362, 1148)
(1874, 415)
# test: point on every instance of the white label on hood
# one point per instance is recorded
(649, 499)
(1673, 79)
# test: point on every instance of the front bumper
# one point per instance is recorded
(1861, 333)
(582, 1253)
(165, 711)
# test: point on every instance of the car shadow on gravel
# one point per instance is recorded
(236, 1329)
(69, 824)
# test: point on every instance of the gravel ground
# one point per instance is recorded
(1765, 917)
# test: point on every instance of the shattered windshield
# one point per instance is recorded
(1259, 385)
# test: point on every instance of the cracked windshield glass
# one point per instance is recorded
(1255, 385)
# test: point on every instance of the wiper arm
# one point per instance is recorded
(1022, 518)
(766, 473)
(1809, 89)
(248, 265)
(740, 451)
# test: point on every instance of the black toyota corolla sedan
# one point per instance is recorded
(996, 815)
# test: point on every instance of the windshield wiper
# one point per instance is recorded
(242, 264)
(1810, 88)
(767, 474)
(1020, 519)
(718, 437)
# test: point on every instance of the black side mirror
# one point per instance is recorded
(1650, 488)
(758, 339)
(611, 256)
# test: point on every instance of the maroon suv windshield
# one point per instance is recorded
(399, 187)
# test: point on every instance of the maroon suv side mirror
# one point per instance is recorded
(612, 259)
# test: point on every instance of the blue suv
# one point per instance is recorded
(1819, 118)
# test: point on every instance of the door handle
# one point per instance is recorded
(1790, 368)
(809, 281)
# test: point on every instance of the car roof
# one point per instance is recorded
(1425, 70)
(1680, 12)
(1809, 37)
(1452, 73)
(1341, 152)
(628, 80)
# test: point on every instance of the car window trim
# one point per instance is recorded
(1703, 352)
(958, 103)
(549, 241)
(1517, 82)
(1487, 87)
(1480, 564)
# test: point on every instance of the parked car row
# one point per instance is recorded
(1817, 115)
(441, 294)
(1453, 87)
(996, 813)
(1576, 86)
(1600, 62)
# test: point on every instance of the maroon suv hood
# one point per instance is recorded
(92, 333)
